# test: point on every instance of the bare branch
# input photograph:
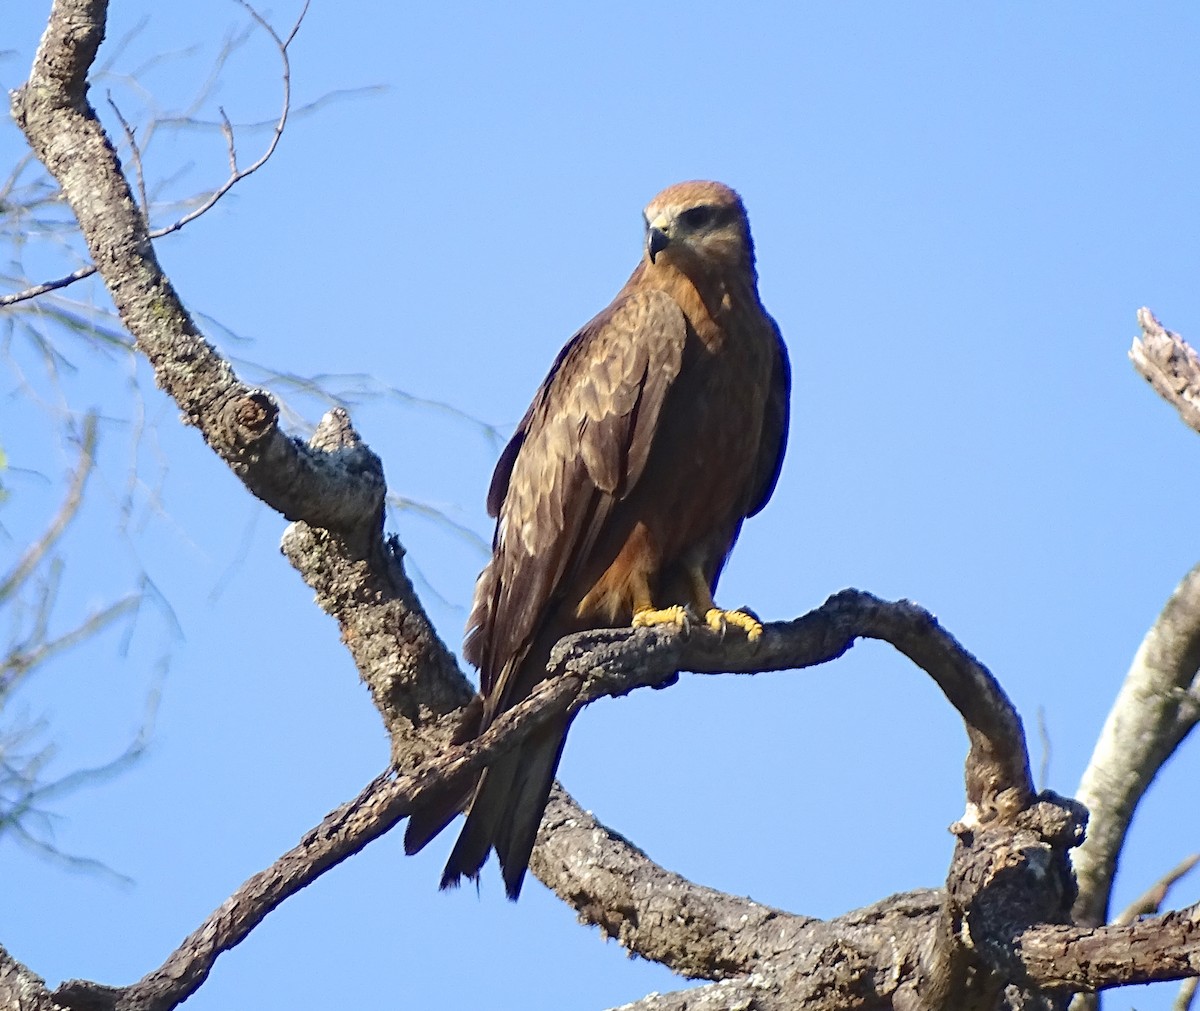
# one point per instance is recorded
(1158, 704)
(647, 656)
(754, 992)
(1167, 362)
(20, 989)
(339, 491)
(998, 777)
(136, 153)
(236, 175)
(696, 931)
(1146, 951)
(23, 658)
(1150, 901)
(47, 286)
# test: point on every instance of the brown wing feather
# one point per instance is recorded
(580, 448)
(775, 428)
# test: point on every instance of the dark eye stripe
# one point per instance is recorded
(699, 217)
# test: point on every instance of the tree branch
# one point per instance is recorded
(709, 934)
(236, 174)
(28, 561)
(998, 777)
(1146, 951)
(1157, 706)
(239, 423)
(1168, 364)
(1150, 901)
(20, 989)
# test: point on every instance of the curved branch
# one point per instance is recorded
(1157, 706)
(999, 782)
(694, 930)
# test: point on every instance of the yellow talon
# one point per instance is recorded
(648, 616)
(718, 620)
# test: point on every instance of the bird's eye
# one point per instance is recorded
(698, 217)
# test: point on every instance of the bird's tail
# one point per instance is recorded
(507, 809)
(438, 811)
(505, 804)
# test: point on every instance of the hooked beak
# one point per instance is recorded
(656, 241)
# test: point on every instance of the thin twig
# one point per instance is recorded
(136, 154)
(62, 519)
(21, 660)
(1150, 901)
(236, 175)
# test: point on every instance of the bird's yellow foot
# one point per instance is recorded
(719, 620)
(674, 615)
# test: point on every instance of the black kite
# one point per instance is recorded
(659, 429)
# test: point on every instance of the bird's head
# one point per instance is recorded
(698, 223)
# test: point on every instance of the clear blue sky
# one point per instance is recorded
(958, 210)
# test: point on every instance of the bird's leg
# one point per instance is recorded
(714, 617)
(646, 614)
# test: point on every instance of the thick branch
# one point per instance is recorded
(1146, 951)
(1158, 705)
(698, 932)
(1172, 367)
(20, 989)
(413, 679)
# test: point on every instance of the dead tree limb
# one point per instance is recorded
(1169, 364)
(1157, 706)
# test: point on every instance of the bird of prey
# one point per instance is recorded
(659, 429)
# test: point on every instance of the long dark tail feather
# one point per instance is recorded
(487, 810)
(507, 810)
(527, 803)
(429, 820)
(438, 811)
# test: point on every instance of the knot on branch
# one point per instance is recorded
(249, 418)
(1006, 878)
